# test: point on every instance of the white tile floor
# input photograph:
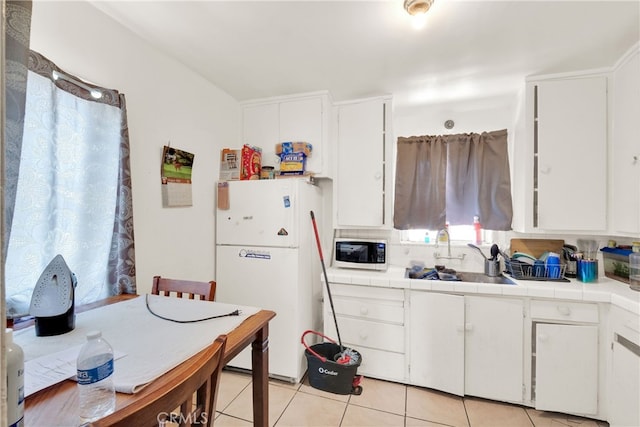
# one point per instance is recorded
(380, 404)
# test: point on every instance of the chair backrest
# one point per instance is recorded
(190, 389)
(205, 290)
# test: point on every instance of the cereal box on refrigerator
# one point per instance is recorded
(251, 159)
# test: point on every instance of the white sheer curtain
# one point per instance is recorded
(66, 194)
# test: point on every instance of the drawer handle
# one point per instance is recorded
(564, 310)
(468, 327)
(364, 311)
(460, 328)
(363, 335)
(543, 337)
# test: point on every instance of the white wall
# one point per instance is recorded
(469, 116)
(165, 102)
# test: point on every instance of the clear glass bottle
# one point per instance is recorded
(95, 378)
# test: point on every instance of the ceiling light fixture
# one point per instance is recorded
(417, 7)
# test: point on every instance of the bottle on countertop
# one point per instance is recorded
(478, 229)
(443, 235)
(95, 378)
(15, 381)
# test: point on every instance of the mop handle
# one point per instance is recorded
(326, 279)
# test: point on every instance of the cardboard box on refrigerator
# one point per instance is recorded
(229, 164)
(294, 147)
(293, 163)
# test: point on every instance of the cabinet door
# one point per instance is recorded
(566, 368)
(625, 384)
(260, 128)
(494, 348)
(301, 120)
(572, 153)
(436, 348)
(360, 164)
(626, 146)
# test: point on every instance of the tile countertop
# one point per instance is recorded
(605, 290)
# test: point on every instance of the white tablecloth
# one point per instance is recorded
(152, 346)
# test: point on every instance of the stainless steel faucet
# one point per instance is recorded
(444, 231)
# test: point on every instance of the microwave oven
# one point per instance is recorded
(359, 253)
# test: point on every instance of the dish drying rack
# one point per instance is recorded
(524, 271)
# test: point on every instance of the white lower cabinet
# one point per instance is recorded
(624, 376)
(494, 350)
(467, 345)
(436, 341)
(625, 385)
(566, 365)
(551, 354)
(371, 321)
(567, 368)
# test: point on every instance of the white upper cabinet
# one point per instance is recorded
(562, 160)
(571, 154)
(363, 173)
(304, 118)
(625, 133)
(260, 128)
(577, 152)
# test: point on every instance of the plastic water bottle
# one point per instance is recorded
(15, 381)
(95, 378)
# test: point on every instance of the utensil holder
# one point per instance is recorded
(492, 267)
(587, 270)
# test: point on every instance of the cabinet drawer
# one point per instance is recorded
(369, 292)
(361, 333)
(380, 364)
(386, 311)
(625, 324)
(564, 311)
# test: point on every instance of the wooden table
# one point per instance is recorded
(58, 405)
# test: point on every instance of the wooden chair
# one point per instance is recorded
(205, 290)
(157, 402)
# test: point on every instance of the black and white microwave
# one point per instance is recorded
(358, 253)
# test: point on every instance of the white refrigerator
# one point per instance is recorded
(266, 256)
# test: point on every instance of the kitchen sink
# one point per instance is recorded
(464, 276)
(483, 278)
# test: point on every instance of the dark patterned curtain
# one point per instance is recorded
(122, 266)
(17, 27)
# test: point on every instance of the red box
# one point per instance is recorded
(251, 161)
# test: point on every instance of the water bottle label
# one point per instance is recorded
(93, 375)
